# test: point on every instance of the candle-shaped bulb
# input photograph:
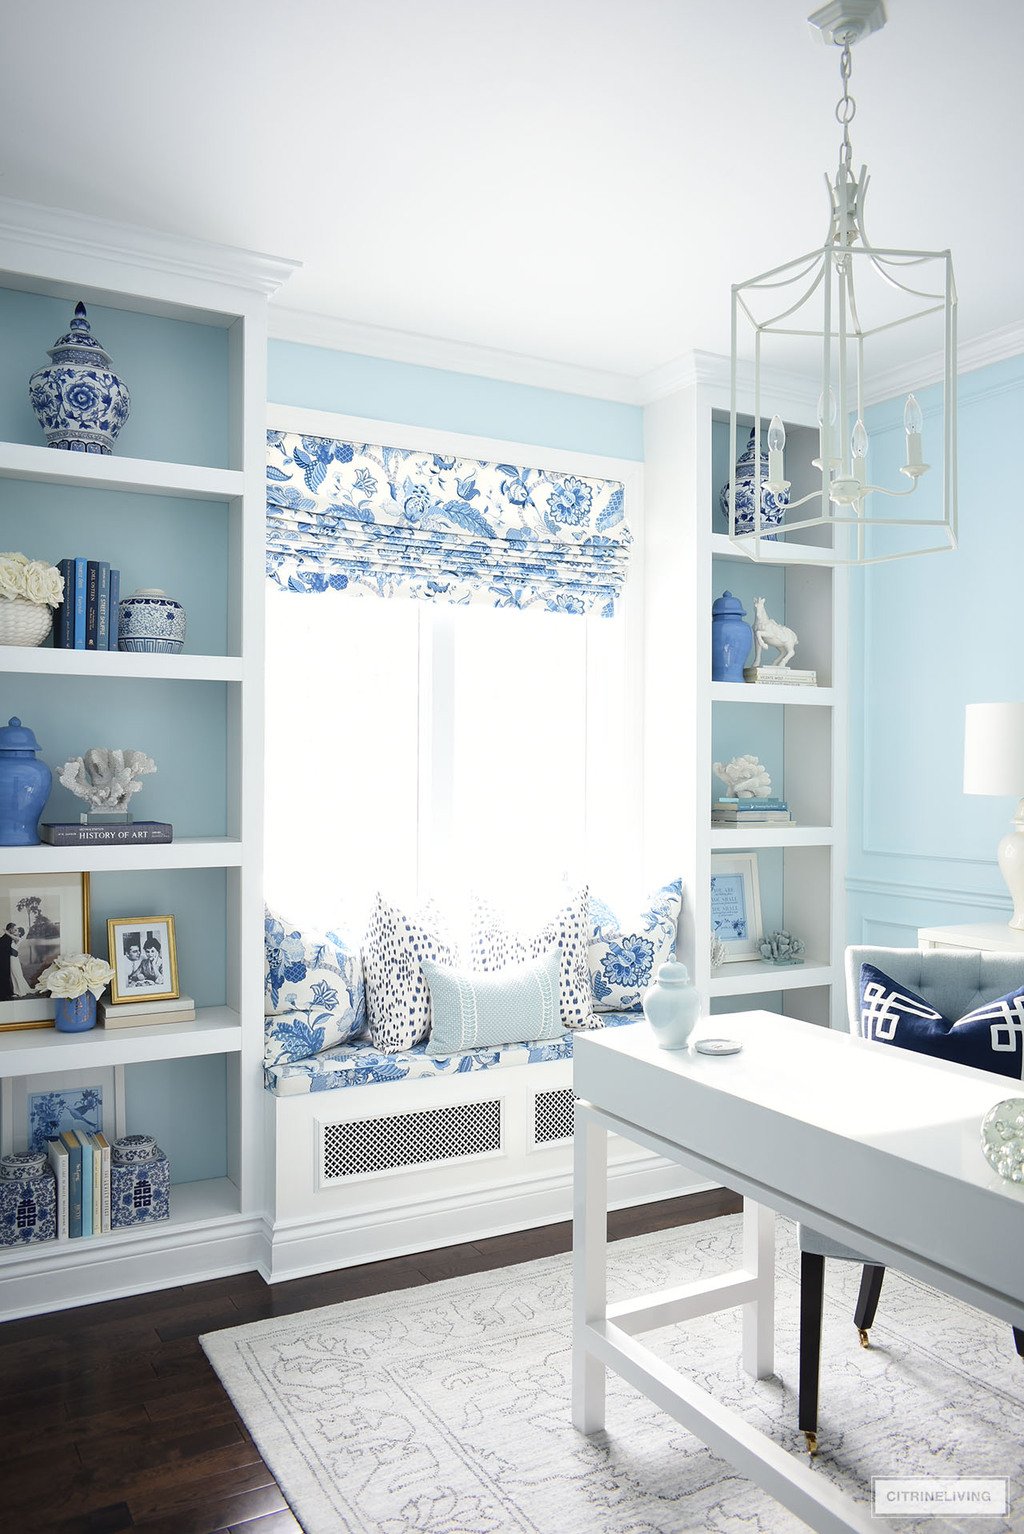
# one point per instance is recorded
(859, 440)
(828, 415)
(913, 419)
(776, 443)
(776, 435)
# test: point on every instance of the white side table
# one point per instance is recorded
(990, 937)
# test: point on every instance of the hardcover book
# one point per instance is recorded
(92, 601)
(101, 1205)
(74, 1149)
(113, 605)
(779, 676)
(148, 1008)
(110, 1017)
(64, 629)
(72, 834)
(57, 1154)
(87, 1179)
(81, 567)
(103, 606)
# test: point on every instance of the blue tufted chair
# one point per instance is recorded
(954, 982)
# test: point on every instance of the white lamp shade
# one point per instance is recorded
(994, 749)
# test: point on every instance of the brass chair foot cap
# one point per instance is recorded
(812, 1443)
(865, 1340)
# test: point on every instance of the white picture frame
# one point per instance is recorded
(736, 905)
(78, 1088)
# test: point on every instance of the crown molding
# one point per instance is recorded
(100, 239)
(310, 329)
(981, 352)
(789, 390)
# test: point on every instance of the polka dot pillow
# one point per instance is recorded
(495, 944)
(397, 994)
(625, 954)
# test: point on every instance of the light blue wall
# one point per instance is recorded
(178, 376)
(928, 636)
(321, 379)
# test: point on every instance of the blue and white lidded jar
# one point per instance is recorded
(28, 1199)
(79, 402)
(773, 506)
(140, 1182)
(151, 622)
(25, 784)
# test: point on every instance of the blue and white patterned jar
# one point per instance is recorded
(151, 622)
(80, 404)
(28, 1199)
(773, 507)
(140, 1185)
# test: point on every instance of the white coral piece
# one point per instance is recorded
(745, 778)
(106, 779)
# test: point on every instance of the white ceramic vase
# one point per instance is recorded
(672, 1006)
(23, 622)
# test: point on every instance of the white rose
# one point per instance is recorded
(72, 975)
(19, 559)
(97, 973)
(12, 576)
(39, 583)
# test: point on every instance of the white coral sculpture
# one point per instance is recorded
(744, 778)
(106, 779)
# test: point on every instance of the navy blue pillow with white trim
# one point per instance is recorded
(991, 1038)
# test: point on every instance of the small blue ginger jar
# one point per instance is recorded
(731, 639)
(24, 786)
(672, 1006)
(79, 402)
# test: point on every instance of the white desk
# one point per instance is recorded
(875, 1146)
(989, 937)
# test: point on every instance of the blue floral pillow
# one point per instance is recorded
(991, 1038)
(624, 955)
(314, 995)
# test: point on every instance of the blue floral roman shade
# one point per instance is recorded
(396, 522)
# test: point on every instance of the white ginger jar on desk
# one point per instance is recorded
(672, 1006)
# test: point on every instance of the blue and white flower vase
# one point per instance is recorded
(151, 622)
(140, 1182)
(24, 786)
(672, 1006)
(28, 1199)
(74, 1014)
(773, 507)
(80, 404)
(731, 638)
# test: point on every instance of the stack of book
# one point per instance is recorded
(145, 1014)
(130, 833)
(779, 676)
(81, 1166)
(750, 812)
(87, 618)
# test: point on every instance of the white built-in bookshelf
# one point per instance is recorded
(798, 732)
(214, 1222)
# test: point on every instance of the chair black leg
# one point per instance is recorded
(812, 1285)
(1018, 1340)
(867, 1300)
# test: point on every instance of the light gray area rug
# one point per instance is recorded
(445, 1409)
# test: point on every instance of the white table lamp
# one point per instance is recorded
(994, 764)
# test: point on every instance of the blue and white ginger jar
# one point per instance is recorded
(81, 405)
(773, 507)
(151, 622)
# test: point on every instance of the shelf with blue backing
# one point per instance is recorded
(183, 852)
(101, 471)
(773, 692)
(33, 1051)
(44, 661)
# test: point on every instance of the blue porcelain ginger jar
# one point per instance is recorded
(24, 786)
(731, 638)
(773, 507)
(79, 402)
(151, 622)
(28, 1199)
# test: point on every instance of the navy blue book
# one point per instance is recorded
(92, 602)
(81, 566)
(113, 603)
(103, 606)
(64, 634)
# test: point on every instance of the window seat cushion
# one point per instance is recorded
(360, 1064)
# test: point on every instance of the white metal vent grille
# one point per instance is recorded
(410, 1139)
(552, 1115)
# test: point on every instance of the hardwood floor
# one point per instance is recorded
(111, 1418)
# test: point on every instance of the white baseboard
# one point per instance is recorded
(297, 1248)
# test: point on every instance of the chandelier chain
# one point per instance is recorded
(846, 106)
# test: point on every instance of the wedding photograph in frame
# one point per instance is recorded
(41, 917)
(736, 904)
(144, 958)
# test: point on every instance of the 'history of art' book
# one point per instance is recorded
(133, 834)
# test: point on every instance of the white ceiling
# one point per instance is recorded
(574, 180)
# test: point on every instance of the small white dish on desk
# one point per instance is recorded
(717, 1046)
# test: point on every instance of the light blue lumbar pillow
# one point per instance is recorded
(473, 1008)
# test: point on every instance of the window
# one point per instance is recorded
(421, 745)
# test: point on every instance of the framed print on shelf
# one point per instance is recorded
(736, 904)
(143, 958)
(41, 916)
(34, 1108)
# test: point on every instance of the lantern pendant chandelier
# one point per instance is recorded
(846, 302)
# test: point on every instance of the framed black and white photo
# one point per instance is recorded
(736, 904)
(143, 958)
(41, 917)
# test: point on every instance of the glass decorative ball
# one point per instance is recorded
(1002, 1138)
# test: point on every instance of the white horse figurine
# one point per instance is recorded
(771, 635)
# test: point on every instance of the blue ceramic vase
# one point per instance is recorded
(80, 404)
(151, 622)
(24, 786)
(74, 1014)
(731, 639)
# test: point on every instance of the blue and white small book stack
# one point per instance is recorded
(750, 812)
(87, 618)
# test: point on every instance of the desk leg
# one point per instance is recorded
(759, 1314)
(589, 1277)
